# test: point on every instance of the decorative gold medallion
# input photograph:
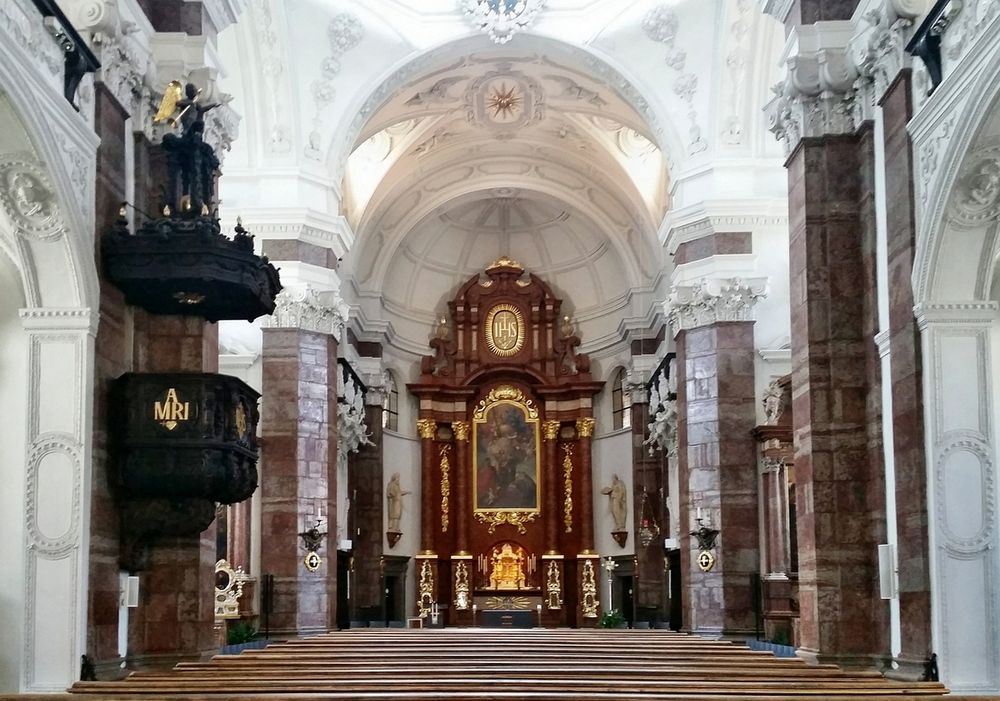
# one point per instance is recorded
(706, 561)
(505, 330)
(312, 561)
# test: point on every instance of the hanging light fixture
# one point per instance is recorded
(501, 19)
(649, 529)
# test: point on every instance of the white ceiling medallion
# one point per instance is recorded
(502, 19)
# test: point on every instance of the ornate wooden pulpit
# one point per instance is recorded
(506, 422)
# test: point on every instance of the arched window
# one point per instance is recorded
(621, 402)
(390, 405)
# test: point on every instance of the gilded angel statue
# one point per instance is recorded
(184, 103)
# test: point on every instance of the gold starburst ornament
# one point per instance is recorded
(504, 102)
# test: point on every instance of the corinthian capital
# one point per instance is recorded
(308, 309)
(710, 301)
(817, 96)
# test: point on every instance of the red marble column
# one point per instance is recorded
(718, 474)
(907, 383)
(585, 433)
(298, 475)
(427, 429)
(648, 473)
(176, 616)
(366, 526)
(551, 483)
(113, 358)
(836, 398)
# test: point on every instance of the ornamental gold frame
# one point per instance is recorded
(497, 396)
(521, 330)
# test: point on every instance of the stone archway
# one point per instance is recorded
(46, 230)
(958, 213)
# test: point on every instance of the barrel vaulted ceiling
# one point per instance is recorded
(442, 151)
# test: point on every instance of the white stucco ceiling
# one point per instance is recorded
(379, 112)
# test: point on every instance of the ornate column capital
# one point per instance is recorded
(585, 427)
(461, 430)
(550, 429)
(308, 309)
(817, 96)
(427, 428)
(710, 301)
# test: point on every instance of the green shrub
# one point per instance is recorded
(241, 633)
(781, 637)
(612, 619)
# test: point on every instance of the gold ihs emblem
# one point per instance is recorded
(505, 330)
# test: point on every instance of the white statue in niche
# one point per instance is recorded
(773, 403)
(394, 497)
(619, 509)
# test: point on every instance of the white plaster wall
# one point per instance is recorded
(612, 455)
(13, 385)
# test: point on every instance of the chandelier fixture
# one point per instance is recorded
(648, 528)
(501, 19)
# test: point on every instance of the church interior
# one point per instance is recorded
(602, 349)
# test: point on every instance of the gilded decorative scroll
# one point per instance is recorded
(426, 597)
(585, 427)
(504, 262)
(461, 587)
(590, 602)
(568, 487)
(427, 428)
(445, 486)
(518, 519)
(553, 586)
(506, 393)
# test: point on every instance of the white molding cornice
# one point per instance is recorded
(956, 313)
(305, 225)
(59, 319)
(720, 216)
(222, 13)
(775, 355)
(779, 9)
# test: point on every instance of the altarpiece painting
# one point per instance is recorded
(507, 459)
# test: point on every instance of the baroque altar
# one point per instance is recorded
(506, 422)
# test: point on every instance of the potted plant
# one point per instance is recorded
(612, 619)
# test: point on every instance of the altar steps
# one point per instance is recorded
(479, 665)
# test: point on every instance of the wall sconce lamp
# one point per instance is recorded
(706, 543)
(312, 539)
